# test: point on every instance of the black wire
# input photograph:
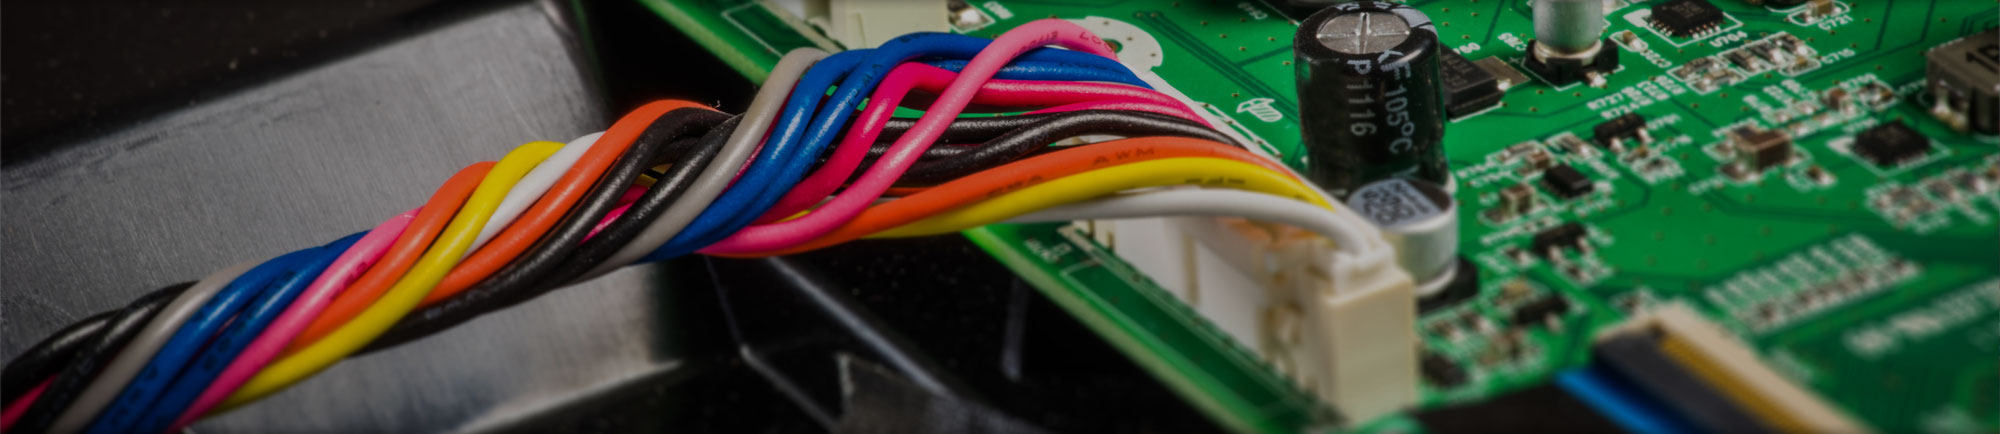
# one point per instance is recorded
(126, 323)
(518, 276)
(643, 212)
(49, 356)
(1027, 139)
(965, 130)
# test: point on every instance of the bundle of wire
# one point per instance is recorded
(669, 179)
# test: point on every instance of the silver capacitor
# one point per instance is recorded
(1569, 26)
(1569, 43)
(1421, 220)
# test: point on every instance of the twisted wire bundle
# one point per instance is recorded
(669, 179)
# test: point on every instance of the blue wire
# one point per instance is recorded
(776, 151)
(1034, 70)
(224, 349)
(166, 364)
(757, 191)
(1617, 400)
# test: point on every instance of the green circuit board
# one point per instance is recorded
(1877, 288)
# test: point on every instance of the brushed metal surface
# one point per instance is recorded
(307, 158)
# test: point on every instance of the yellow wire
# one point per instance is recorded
(400, 299)
(1206, 172)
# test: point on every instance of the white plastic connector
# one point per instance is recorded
(869, 23)
(1340, 322)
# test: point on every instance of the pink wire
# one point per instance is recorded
(862, 133)
(342, 272)
(624, 203)
(1026, 93)
(20, 406)
(903, 153)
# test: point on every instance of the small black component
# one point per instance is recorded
(1467, 87)
(1462, 287)
(1686, 18)
(1964, 78)
(1539, 310)
(1566, 236)
(1891, 144)
(1623, 128)
(1441, 371)
(1565, 182)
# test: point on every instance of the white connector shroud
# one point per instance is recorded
(1339, 320)
(869, 23)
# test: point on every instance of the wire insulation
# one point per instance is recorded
(506, 285)
(1204, 172)
(429, 269)
(532, 186)
(740, 210)
(531, 225)
(69, 384)
(240, 332)
(19, 407)
(43, 360)
(130, 360)
(635, 155)
(1021, 142)
(890, 94)
(342, 271)
(1014, 176)
(879, 178)
(743, 142)
(123, 414)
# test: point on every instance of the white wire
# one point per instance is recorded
(531, 187)
(1206, 202)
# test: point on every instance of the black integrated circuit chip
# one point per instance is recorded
(1565, 236)
(1540, 310)
(1686, 18)
(1441, 371)
(1467, 87)
(1566, 182)
(1891, 144)
(1623, 128)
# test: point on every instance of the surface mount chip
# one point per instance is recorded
(1566, 182)
(1567, 236)
(1686, 18)
(1628, 127)
(1467, 87)
(1891, 144)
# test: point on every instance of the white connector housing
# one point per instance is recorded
(1343, 325)
(869, 23)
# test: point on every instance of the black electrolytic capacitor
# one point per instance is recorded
(1369, 97)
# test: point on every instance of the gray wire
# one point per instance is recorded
(130, 360)
(742, 143)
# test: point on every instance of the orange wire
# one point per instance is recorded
(1015, 176)
(423, 229)
(530, 226)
